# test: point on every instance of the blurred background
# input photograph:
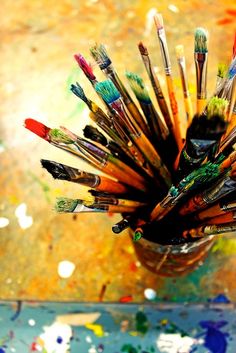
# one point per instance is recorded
(49, 256)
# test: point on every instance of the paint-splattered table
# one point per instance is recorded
(38, 40)
(97, 328)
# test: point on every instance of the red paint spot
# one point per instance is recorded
(225, 21)
(110, 214)
(37, 128)
(133, 267)
(33, 347)
(126, 299)
(231, 12)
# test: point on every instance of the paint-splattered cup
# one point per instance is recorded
(172, 260)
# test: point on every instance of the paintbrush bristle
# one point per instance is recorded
(58, 136)
(158, 19)
(179, 50)
(79, 92)
(221, 70)
(217, 106)
(37, 128)
(137, 85)
(143, 50)
(57, 170)
(88, 200)
(94, 134)
(232, 69)
(100, 55)
(85, 66)
(108, 91)
(64, 204)
(201, 39)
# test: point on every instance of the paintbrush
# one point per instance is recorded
(209, 230)
(198, 179)
(161, 139)
(201, 58)
(88, 152)
(225, 186)
(64, 172)
(167, 66)
(203, 136)
(221, 75)
(65, 205)
(104, 198)
(100, 55)
(226, 217)
(156, 87)
(86, 68)
(227, 204)
(110, 125)
(183, 75)
(110, 93)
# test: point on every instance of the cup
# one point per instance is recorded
(172, 260)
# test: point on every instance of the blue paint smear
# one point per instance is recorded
(220, 298)
(215, 340)
(2, 350)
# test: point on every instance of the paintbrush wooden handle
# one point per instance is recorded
(174, 108)
(188, 109)
(201, 104)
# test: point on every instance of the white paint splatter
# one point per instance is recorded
(56, 338)
(150, 21)
(65, 269)
(173, 8)
(174, 343)
(88, 339)
(4, 222)
(150, 293)
(23, 220)
(92, 350)
(31, 322)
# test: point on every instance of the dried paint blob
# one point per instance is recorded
(65, 269)
(31, 322)
(4, 222)
(23, 220)
(173, 8)
(174, 343)
(150, 293)
(56, 338)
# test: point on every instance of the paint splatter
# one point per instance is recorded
(150, 294)
(65, 269)
(4, 222)
(225, 21)
(141, 324)
(220, 298)
(231, 12)
(126, 299)
(56, 338)
(31, 322)
(174, 343)
(214, 339)
(23, 220)
(173, 8)
(129, 348)
(97, 329)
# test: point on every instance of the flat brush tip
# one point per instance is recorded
(201, 39)
(179, 50)
(37, 128)
(143, 50)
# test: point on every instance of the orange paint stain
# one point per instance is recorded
(225, 21)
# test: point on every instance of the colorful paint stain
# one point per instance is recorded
(220, 298)
(214, 339)
(97, 329)
(142, 324)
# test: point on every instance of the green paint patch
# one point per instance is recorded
(141, 323)
(225, 246)
(129, 348)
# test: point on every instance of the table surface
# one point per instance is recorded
(38, 40)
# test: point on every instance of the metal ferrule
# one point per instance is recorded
(201, 73)
(223, 188)
(164, 51)
(228, 207)
(183, 76)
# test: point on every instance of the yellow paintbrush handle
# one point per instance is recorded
(188, 109)
(174, 108)
(137, 117)
(201, 105)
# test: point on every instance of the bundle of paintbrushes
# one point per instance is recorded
(169, 188)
